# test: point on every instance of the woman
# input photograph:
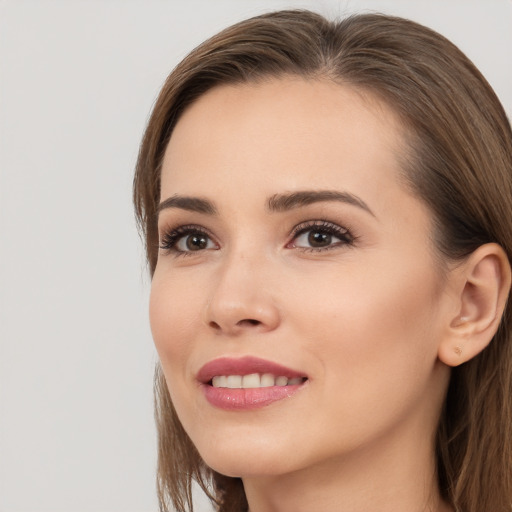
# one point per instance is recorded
(327, 214)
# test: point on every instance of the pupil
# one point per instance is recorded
(319, 239)
(196, 242)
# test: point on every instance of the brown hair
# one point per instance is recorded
(459, 161)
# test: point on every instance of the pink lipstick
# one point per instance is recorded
(248, 382)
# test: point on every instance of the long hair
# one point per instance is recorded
(457, 159)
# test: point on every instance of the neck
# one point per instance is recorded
(391, 475)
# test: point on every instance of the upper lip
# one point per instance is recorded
(244, 366)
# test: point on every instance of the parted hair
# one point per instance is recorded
(457, 158)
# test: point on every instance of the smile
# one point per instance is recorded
(247, 383)
(254, 380)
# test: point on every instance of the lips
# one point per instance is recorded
(244, 366)
(247, 382)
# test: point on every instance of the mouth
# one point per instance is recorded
(248, 382)
(254, 380)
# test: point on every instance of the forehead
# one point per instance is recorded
(282, 134)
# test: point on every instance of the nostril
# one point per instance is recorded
(215, 326)
(233, 324)
(248, 322)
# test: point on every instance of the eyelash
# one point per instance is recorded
(171, 238)
(325, 227)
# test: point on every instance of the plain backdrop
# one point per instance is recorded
(77, 82)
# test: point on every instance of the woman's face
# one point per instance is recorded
(292, 254)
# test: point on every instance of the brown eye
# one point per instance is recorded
(194, 242)
(319, 239)
(186, 240)
(320, 235)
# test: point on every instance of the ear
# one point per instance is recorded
(483, 286)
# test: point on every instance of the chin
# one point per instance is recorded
(243, 455)
(238, 466)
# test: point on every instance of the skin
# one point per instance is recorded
(364, 319)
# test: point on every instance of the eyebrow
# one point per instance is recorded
(192, 204)
(285, 202)
(276, 203)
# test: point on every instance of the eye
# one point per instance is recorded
(187, 239)
(320, 235)
(194, 242)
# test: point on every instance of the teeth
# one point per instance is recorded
(254, 380)
(220, 381)
(251, 381)
(234, 381)
(267, 380)
(281, 381)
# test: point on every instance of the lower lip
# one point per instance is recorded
(247, 399)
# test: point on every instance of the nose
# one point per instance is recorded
(243, 299)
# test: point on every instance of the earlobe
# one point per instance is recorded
(483, 283)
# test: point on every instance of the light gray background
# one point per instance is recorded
(77, 81)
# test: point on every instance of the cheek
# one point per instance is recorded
(174, 313)
(374, 341)
(373, 330)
